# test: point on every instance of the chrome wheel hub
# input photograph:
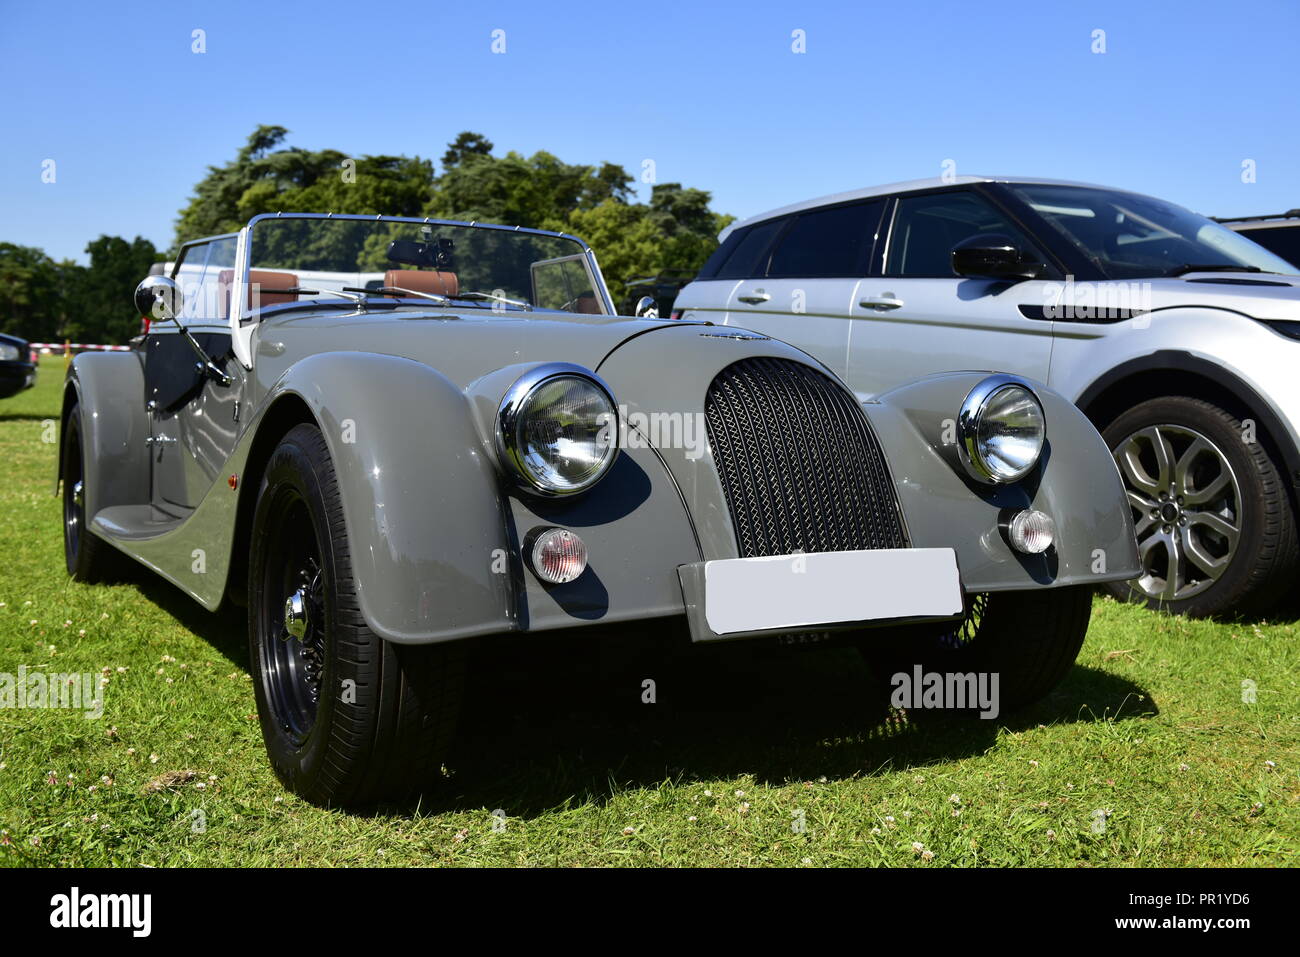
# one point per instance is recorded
(1186, 509)
(295, 616)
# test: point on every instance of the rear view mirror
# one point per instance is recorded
(435, 254)
(993, 256)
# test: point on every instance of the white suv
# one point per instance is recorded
(1177, 336)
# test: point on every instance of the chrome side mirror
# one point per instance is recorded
(158, 298)
(647, 308)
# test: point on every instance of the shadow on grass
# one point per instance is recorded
(551, 719)
(551, 722)
(226, 629)
(1282, 611)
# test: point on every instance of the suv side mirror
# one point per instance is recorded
(158, 298)
(992, 256)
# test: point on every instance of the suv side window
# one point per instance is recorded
(834, 241)
(927, 227)
(749, 255)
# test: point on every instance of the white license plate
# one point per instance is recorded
(823, 588)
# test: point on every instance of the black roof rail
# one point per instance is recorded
(1289, 214)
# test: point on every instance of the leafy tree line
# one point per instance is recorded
(676, 230)
(45, 300)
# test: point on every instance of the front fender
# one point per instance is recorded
(1076, 483)
(108, 388)
(421, 499)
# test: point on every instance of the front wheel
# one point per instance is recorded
(88, 557)
(1027, 639)
(1216, 534)
(348, 718)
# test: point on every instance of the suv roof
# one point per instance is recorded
(907, 186)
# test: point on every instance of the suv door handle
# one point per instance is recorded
(755, 299)
(884, 302)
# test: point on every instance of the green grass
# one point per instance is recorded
(1150, 730)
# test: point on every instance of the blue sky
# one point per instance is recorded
(712, 93)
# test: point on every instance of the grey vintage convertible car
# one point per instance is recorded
(386, 437)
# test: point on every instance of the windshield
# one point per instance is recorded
(378, 262)
(1129, 236)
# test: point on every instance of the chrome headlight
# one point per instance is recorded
(557, 429)
(1001, 430)
(9, 352)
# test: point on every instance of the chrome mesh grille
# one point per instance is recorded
(800, 466)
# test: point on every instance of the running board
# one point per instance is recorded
(133, 523)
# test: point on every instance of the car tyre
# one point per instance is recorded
(1029, 639)
(1236, 552)
(348, 718)
(88, 557)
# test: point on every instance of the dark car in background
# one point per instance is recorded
(1279, 234)
(17, 371)
(662, 288)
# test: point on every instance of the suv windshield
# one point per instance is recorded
(1128, 236)
(296, 259)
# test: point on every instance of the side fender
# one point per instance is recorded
(109, 390)
(421, 498)
(1076, 482)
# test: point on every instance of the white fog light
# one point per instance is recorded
(557, 556)
(1031, 532)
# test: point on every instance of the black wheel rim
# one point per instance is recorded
(292, 659)
(74, 502)
(964, 631)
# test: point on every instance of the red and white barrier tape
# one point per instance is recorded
(60, 346)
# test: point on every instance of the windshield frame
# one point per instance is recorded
(244, 264)
(243, 322)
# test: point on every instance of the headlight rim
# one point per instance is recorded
(507, 420)
(969, 416)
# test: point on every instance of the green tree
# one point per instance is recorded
(676, 230)
(32, 292)
(538, 191)
(267, 177)
(99, 296)
(465, 146)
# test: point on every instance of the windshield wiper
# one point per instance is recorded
(480, 296)
(402, 291)
(300, 291)
(1210, 267)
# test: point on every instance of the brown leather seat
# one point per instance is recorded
(257, 280)
(419, 280)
